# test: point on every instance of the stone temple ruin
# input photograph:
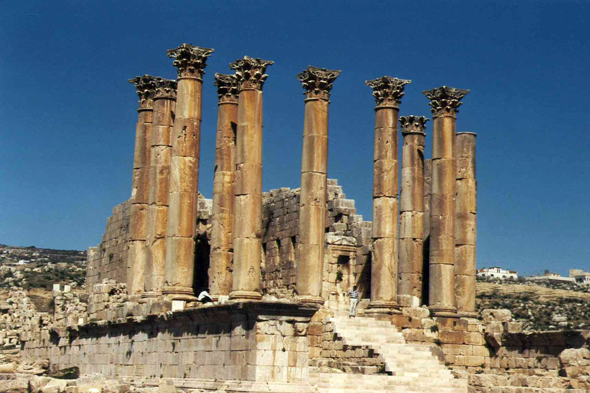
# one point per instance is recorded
(278, 264)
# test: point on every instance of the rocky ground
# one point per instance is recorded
(539, 306)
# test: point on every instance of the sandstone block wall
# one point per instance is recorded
(348, 239)
(109, 258)
(229, 342)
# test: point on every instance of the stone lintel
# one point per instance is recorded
(317, 82)
(227, 88)
(250, 72)
(388, 91)
(146, 86)
(413, 124)
(445, 101)
(191, 60)
(165, 89)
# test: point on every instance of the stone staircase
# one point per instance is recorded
(409, 367)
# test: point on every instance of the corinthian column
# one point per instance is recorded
(465, 224)
(412, 206)
(388, 93)
(248, 186)
(140, 185)
(184, 171)
(444, 102)
(222, 217)
(164, 107)
(317, 83)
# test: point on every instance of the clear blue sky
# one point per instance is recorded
(67, 112)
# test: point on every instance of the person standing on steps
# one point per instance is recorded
(354, 299)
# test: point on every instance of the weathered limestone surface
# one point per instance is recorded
(444, 102)
(164, 107)
(184, 172)
(465, 223)
(265, 342)
(347, 251)
(388, 93)
(317, 83)
(222, 219)
(411, 239)
(248, 181)
(136, 260)
(109, 258)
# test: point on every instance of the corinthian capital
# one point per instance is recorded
(227, 87)
(413, 124)
(317, 82)
(250, 72)
(388, 91)
(190, 60)
(145, 86)
(445, 101)
(165, 88)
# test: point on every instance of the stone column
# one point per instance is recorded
(317, 83)
(465, 224)
(222, 216)
(140, 185)
(248, 185)
(411, 240)
(426, 230)
(184, 172)
(164, 107)
(444, 102)
(388, 93)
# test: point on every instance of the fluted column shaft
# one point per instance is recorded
(161, 149)
(384, 264)
(222, 217)
(248, 185)
(444, 102)
(184, 172)
(411, 240)
(314, 182)
(137, 254)
(465, 224)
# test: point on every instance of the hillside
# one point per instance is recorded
(539, 307)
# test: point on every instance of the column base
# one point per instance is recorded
(151, 295)
(388, 307)
(468, 314)
(310, 299)
(245, 295)
(441, 311)
(179, 293)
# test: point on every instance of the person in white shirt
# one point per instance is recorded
(354, 299)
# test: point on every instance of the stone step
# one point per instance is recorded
(411, 367)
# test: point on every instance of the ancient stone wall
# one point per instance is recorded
(346, 234)
(109, 258)
(249, 342)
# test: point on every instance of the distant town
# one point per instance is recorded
(576, 276)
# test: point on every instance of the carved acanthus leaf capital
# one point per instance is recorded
(190, 60)
(165, 88)
(250, 72)
(445, 101)
(227, 87)
(388, 91)
(145, 86)
(413, 124)
(317, 82)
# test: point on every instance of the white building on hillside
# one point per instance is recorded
(550, 277)
(497, 273)
(580, 277)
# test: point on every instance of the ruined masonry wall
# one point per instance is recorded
(346, 233)
(109, 258)
(223, 344)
